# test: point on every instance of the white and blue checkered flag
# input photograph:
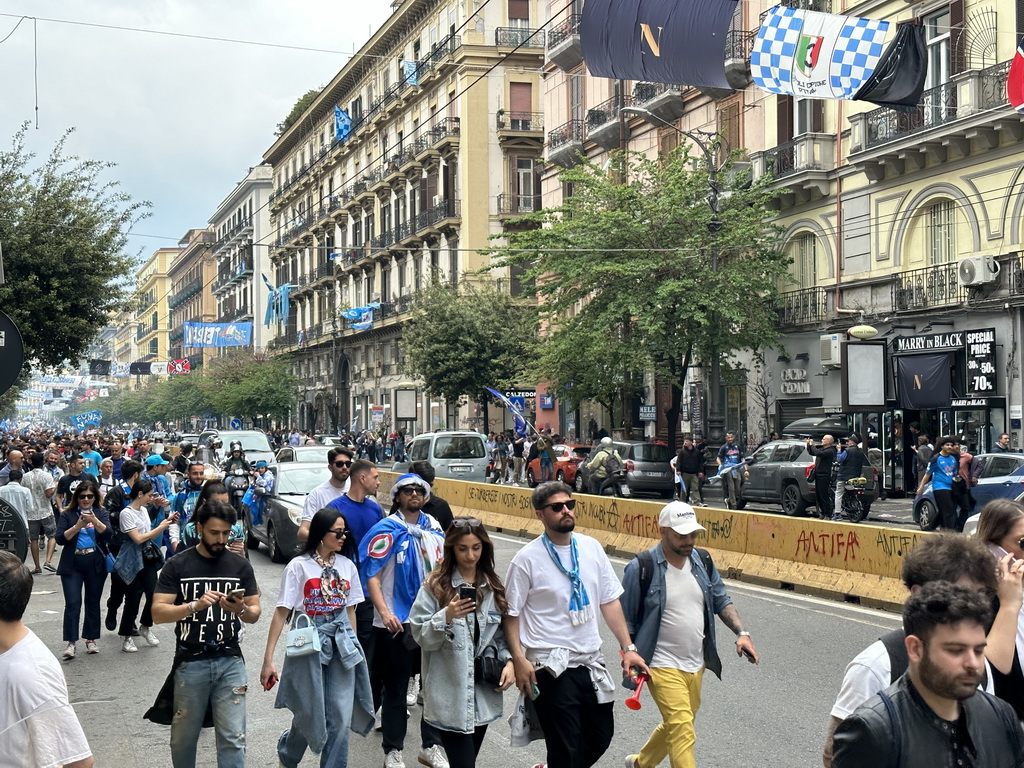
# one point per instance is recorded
(816, 55)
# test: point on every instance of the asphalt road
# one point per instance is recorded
(773, 714)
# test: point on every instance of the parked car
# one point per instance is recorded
(254, 443)
(1002, 477)
(567, 459)
(458, 455)
(327, 439)
(647, 469)
(837, 425)
(779, 473)
(304, 453)
(283, 513)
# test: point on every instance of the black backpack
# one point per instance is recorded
(646, 561)
(612, 463)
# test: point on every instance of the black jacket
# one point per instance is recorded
(824, 458)
(913, 735)
(690, 461)
(853, 465)
(69, 519)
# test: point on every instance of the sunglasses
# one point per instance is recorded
(558, 505)
(340, 464)
(467, 522)
(411, 489)
(340, 534)
(87, 495)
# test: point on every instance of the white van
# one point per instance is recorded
(458, 455)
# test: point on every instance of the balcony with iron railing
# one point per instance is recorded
(565, 144)
(927, 288)
(186, 292)
(662, 100)
(435, 216)
(969, 114)
(441, 54)
(322, 271)
(804, 306)
(564, 48)
(517, 124)
(603, 125)
(738, 45)
(803, 166)
(517, 205)
(518, 37)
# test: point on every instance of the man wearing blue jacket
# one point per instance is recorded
(672, 594)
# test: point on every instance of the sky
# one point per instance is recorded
(183, 119)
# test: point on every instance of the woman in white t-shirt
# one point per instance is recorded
(328, 693)
(106, 480)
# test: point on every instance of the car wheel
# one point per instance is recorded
(560, 476)
(276, 555)
(793, 503)
(530, 479)
(578, 482)
(927, 515)
(250, 540)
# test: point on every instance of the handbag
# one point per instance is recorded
(488, 667)
(151, 552)
(302, 640)
(110, 560)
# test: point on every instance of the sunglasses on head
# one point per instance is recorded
(410, 489)
(340, 464)
(557, 506)
(467, 522)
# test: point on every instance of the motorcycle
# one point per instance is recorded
(237, 483)
(857, 499)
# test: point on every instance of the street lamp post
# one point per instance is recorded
(708, 143)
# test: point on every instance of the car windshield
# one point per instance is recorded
(251, 441)
(300, 480)
(651, 452)
(458, 447)
(312, 452)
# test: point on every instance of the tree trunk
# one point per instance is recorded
(484, 402)
(678, 382)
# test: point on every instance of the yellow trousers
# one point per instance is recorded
(677, 695)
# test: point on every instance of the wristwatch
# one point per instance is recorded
(742, 633)
(631, 648)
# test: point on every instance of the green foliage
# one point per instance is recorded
(625, 279)
(247, 385)
(461, 341)
(63, 230)
(300, 106)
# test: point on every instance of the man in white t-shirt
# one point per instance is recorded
(339, 461)
(38, 727)
(948, 557)
(556, 585)
(672, 594)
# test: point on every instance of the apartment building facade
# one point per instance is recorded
(241, 227)
(192, 274)
(445, 106)
(152, 327)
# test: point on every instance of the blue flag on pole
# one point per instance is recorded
(521, 423)
(342, 124)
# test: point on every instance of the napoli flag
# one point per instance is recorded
(1015, 80)
(342, 124)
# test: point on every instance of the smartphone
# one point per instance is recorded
(236, 594)
(467, 592)
(534, 692)
(271, 682)
(1000, 553)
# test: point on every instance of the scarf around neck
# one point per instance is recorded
(580, 609)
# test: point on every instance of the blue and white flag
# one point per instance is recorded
(82, 420)
(277, 303)
(517, 414)
(342, 124)
(216, 335)
(412, 74)
(365, 322)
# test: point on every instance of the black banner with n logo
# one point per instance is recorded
(924, 381)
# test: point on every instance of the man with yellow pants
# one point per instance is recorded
(672, 594)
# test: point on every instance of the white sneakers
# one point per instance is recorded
(146, 633)
(394, 759)
(413, 692)
(128, 646)
(91, 647)
(69, 652)
(433, 757)
(631, 761)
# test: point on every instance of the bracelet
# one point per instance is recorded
(742, 633)
(241, 613)
(192, 608)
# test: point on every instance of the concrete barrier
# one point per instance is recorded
(841, 561)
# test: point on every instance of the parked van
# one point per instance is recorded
(458, 455)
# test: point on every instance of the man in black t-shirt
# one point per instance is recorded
(208, 592)
(67, 484)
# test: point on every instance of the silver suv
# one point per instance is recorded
(458, 455)
(646, 464)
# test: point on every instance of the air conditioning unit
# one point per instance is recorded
(435, 201)
(830, 349)
(978, 270)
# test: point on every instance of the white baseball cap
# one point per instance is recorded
(680, 517)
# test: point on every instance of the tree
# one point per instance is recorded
(625, 281)
(460, 341)
(249, 385)
(177, 399)
(300, 106)
(63, 230)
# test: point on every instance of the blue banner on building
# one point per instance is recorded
(217, 334)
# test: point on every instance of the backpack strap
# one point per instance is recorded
(897, 728)
(646, 561)
(897, 650)
(705, 557)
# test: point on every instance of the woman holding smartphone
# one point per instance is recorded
(83, 531)
(456, 616)
(328, 693)
(138, 563)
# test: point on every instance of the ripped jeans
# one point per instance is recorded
(221, 681)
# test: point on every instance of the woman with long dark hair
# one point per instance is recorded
(328, 693)
(83, 531)
(454, 630)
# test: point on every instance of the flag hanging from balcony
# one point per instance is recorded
(825, 56)
(277, 303)
(342, 124)
(412, 74)
(365, 321)
(158, 369)
(681, 42)
(1015, 79)
(99, 367)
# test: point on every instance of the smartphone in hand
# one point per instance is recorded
(467, 592)
(236, 594)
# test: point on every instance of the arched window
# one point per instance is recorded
(805, 260)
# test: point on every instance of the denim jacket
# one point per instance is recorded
(452, 700)
(645, 636)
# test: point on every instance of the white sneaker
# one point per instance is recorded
(91, 647)
(433, 757)
(394, 759)
(69, 652)
(413, 692)
(146, 633)
(128, 646)
(631, 761)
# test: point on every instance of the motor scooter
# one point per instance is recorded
(237, 483)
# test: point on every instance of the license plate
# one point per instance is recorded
(458, 470)
(642, 473)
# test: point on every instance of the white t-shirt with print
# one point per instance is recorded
(135, 520)
(538, 593)
(300, 586)
(32, 686)
(681, 634)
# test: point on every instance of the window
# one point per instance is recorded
(419, 450)
(519, 13)
(576, 96)
(942, 232)
(524, 185)
(937, 38)
(729, 128)
(453, 262)
(806, 258)
(459, 447)
(154, 346)
(520, 101)
(807, 114)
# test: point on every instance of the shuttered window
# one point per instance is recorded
(520, 97)
(519, 9)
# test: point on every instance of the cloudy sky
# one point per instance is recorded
(182, 118)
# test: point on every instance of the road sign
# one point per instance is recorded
(377, 414)
(236, 423)
(13, 530)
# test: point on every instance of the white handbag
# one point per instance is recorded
(302, 640)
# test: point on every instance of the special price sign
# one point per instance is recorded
(980, 347)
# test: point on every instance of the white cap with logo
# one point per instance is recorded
(680, 517)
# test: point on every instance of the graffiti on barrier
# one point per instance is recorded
(896, 544)
(642, 524)
(841, 545)
(719, 529)
(604, 513)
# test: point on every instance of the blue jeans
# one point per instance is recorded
(338, 699)
(221, 681)
(545, 469)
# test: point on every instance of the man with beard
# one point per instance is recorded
(934, 714)
(208, 592)
(185, 503)
(339, 462)
(554, 587)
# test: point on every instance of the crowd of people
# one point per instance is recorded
(382, 604)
